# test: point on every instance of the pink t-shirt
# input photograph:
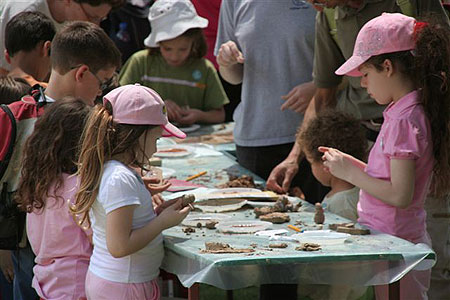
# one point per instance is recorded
(405, 134)
(62, 248)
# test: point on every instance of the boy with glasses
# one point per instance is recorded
(58, 11)
(83, 60)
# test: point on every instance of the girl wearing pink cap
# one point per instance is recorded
(405, 64)
(119, 136)
(61, 247)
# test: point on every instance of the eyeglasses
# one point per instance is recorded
(91, 18)
(103, 85)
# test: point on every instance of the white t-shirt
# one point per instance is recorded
(10, 8)
(343, 203)
(121, 186)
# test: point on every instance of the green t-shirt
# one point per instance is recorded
(196, 83)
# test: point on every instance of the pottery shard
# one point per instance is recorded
(216, 246)
(260, 211)
(336, 225)
(319, 217)
(188, 230)
(354, 231)
(276, 218)
(308, 247)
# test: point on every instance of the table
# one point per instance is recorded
(362, 260)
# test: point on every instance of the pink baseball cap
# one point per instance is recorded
(139, 105)
(387, 33)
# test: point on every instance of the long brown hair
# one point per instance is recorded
(428, 66)
(103, 140)
(50, 151)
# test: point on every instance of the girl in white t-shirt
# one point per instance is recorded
(119, 137)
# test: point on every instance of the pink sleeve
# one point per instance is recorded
(404, 140)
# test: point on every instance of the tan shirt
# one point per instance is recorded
(329, 56)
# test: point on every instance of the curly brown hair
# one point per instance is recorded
(50, 151)
(428, 66)
(199, 46)
(334, 129)
(101, 141)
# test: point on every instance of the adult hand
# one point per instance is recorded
(155, 185)
(6, 265)
(317, 5)
(339, 164)
(281, 176)
(299, 97)
(174, 214)
(189, 116)
(229, 55)
(174, 111)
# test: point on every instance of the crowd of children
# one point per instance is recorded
(72, 165)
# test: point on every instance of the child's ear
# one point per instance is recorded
(46, 48)
(81, 72)
(388, 66)
(7, 57)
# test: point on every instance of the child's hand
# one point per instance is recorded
(339, 164)
(173, 214)
(160, 204)
(229, 55)
(156, 186)
(190, 116)
(174, 111)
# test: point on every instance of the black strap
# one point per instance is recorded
(4, 163)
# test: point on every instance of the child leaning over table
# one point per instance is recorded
(343, 132)
(175, 67)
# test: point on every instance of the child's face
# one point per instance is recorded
(176, 51)
(376, 83)
(318, 171)
(147, 142)
(89, 85)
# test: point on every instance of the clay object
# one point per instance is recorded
(280, 245)
(245, 181)
(188, 230)
(220, 248)
(188, 200)
(260, 211)
(276, 218)
(335, 226)
(319, 217)
(308, 247)
(354, 231)
(211, 224)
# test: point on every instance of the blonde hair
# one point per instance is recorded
(102, 140)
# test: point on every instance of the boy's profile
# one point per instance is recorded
(341, 131)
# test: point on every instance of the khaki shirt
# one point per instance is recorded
(329, 56)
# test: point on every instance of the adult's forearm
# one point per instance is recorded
(232, 74)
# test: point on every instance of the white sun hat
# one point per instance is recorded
(170, 19)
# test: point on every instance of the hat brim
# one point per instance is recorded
(350, 67)
(171, 130)
(157, 36)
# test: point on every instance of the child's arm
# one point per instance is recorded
(397, 192)
(192, 116)
(122, 240)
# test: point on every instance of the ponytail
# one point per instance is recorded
(102, 140)
(432, 78)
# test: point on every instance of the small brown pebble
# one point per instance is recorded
(253, 245)
(319, 217)
(199, 225)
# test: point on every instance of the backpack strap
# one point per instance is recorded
(4, 163)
